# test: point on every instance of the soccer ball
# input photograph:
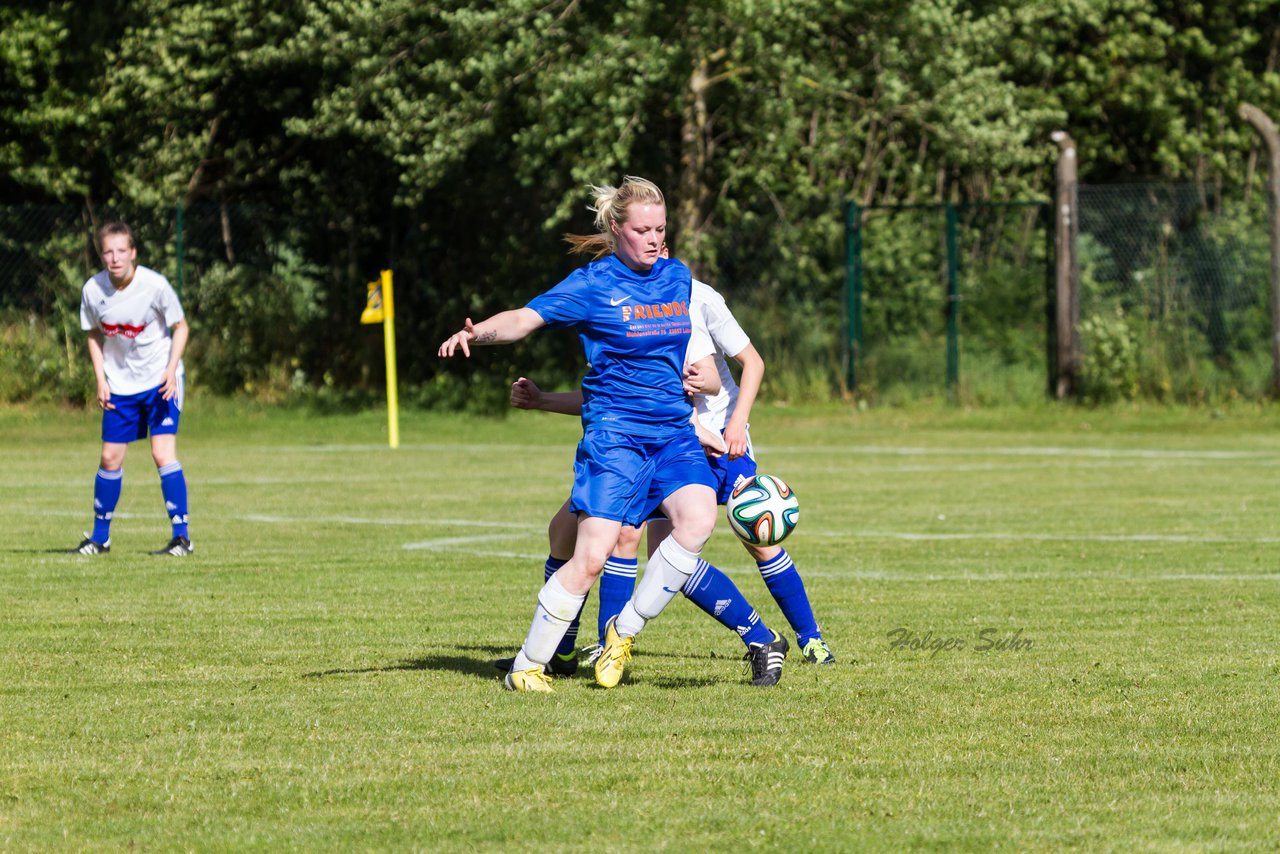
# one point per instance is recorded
(763, 511)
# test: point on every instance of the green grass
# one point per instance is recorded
(318, 675)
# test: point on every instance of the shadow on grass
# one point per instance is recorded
(454, 663)
(686, 682)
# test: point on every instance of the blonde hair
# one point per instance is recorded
(610, 205)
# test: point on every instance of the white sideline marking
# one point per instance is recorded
(911, 536)
(1105, 453)
(871, 450)
(446, 542)
(1035, 537)
(364, 520)
(268, 519)
(930, 577)
(1030, 577)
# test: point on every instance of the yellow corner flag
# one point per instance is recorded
(380, 308)
(373, 308)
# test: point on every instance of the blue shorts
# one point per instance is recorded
(729, 473)
(624, 478)
(136, 415)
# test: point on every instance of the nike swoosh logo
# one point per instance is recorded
(619, 300)
(669, 590)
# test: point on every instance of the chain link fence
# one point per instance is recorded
(950, 299)
(1173, 293)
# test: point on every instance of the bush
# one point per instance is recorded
(1110, 367)
(42, 363)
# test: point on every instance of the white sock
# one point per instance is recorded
(664, 575)
(556, 609)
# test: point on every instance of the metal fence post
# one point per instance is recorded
(1050, 301)
(953, 301)
(853, 292)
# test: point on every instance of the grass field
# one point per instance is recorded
(318, 675)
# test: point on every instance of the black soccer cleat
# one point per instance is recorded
(766, 660)
(89, 547)
(557, 666)
(177, 547)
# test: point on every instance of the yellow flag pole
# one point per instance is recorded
(389, 340)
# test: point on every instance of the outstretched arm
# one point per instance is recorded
(735, 432)
(503, 328)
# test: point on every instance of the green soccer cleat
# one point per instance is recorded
(816, 651)
(534, 680)
(613, 658)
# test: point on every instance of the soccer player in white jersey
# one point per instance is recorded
(638, 451)
(726, 413)
(722, 413)
(137, 335)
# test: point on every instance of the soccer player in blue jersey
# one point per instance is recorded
(722, 411)
(639, 451)
(137, 335)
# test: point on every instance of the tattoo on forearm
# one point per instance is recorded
(486, 337)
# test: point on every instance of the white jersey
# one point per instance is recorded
(135, 325)
(715, 332)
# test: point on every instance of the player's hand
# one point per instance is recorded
(104, 396)
(712, 443)
(735, 439)
(525, 394)
(169, 388)
(694, 380)
(459, 339)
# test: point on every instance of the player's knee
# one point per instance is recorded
(705, 518)
(628, 543)
(581, 573)
(694, 529)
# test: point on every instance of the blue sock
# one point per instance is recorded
(173, 485)
(106, 494)
(714, 592)
(784, 582)
(569, 643)
(617, 583)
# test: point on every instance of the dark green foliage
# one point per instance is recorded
(315, 143)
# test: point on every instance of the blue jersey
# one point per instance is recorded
(634, 329)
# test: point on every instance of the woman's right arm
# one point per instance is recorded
(99, 369)
(503, 328)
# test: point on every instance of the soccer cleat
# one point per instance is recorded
(89, 547)
(534, 680)
(613, 658)
(816, 651)
(559, 666)
(766, 660)
(178, 547)
(593, 652)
